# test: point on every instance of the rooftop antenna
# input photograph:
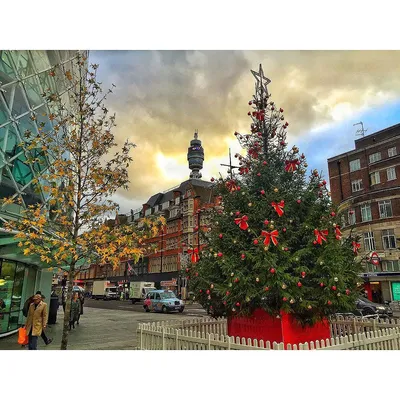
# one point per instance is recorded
(360, 132)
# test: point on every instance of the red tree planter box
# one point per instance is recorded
(262, 326)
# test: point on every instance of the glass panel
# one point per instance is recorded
(21, 172)
(17, 291)
(6, 284)
(10, 145)
(33, 90)
(4, 318)
(19, 105)
(13, 321)
(40, 59)
(6, 66)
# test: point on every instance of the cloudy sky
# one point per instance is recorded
(161, 97)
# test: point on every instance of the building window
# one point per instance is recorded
(375, 178)
(351, 217)
(369, 241)
(388, 239)
(375, 157)
(355, 165)
(366, 213)
(357, 185)
(385, 209)
(392, 152)
(391, 173)
(390, 266)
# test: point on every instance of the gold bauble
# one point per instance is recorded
(276, 190)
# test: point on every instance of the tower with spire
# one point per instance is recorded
(195, 157)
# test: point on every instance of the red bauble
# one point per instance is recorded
(334, 288)
(237, 213)
(258, 174)
(200, 291)
(314, 242)
(284, 299)
(255, 241)
(284, 229)
(324, 182)
(322, 284)
(303, 156)
(211, 307)
(262, 192)
(264, 163)
(224, 303)
(347, 292)
(249, 113)
(220, 235)
(272, 270)
(212, 179)
(266, 288)
(329, 303)
(283, 143)
(250, 103)
(187, 269)
(220, 254)
(236, 133)
(286, 249)
(197, 274)
(236, 280)
(299, 284)
(259, 134)
(228, 293)
(237, 304)
(281, 110)
(243, 256)
(266, 222)
(207, 291)
(333, 214)
(238, 188)
(298, 201)
(303, 274)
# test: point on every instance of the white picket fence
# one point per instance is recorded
(342, 326)
(210, 334)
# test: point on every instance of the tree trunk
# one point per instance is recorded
(64, 340)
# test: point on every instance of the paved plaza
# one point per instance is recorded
(99, 329)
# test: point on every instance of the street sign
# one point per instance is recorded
(374, 259)
(396, 291)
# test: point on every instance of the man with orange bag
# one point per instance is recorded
(36, 321)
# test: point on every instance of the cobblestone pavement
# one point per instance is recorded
(99, 329)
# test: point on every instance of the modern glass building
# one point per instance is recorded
(24, 76)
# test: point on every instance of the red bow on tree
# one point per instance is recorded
(260, 115)
(320, 235)
(278, 207)
(195, 254)
(242, 222)
(243, 170)
(338, 233)
(270, 236)
(231, 186)
(291, 165)
(356, 246)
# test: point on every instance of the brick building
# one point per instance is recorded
(185, 209)
(365, 183)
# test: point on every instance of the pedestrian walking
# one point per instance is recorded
(36, 321)
(82, 301)
(75, 310)
(25, 310)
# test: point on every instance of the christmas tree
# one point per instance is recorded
(274, 241)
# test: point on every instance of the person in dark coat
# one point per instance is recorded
(75, 310)
(82, 300)
(25, 310)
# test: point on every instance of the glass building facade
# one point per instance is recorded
(24, 77)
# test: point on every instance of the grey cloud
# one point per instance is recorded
(162, 96)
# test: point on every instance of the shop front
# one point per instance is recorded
(17, 282)
(382, 287)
